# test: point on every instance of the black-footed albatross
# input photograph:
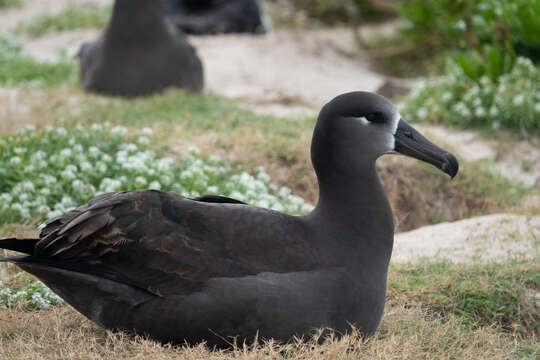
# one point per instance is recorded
(218, 16)
(178, 269)
(139, 53)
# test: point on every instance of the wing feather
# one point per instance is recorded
(172, 245)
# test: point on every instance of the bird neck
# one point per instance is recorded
(136, 21)
(355, 204)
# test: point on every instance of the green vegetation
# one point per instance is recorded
(10, 3)
(512, 27)
(23, 292)
(511, 101)
(18, 68)
(71, 18)
(48, 173)
(483, 295)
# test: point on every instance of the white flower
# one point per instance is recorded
(28, 186)
(6, 197)
(447, 96)
(460, 25)
(143, 140)
(493, 111)
(155, 185)
(78, 185)
(130, 148)
(96, 127)
(193, 150)
(15, 160)
(60, 131)
(537, 107)
(86, 166)
(422, 113)
(146, 131)
(166, 179)
(65, 153)
(53, 214)
(462, 109)
(212, 189)
(119, 131)
(93, 151)
(45, 191)
(19, 151)
(480, 112)
(496, 125)
(140, 181)
(518, 100)
(68, 174)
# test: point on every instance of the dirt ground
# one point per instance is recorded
(292, 73)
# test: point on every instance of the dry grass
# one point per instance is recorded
(61, 333)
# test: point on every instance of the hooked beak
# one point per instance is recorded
(410, 142)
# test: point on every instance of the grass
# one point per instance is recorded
(482, 295)
(10, 3)
(71, 18)
(18, 68)
(435, 311)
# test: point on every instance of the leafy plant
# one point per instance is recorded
(491, 33)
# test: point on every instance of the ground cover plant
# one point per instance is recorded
(46, 174)
(512, 101)
(70, 18)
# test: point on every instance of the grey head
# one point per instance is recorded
(356, 128)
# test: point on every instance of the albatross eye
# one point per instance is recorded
(376, 117)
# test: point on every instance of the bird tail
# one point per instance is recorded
(25, 246)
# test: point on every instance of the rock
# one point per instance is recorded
(496, 238)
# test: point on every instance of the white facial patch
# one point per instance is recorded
(363, 120)
(395, 122)
(391, 139)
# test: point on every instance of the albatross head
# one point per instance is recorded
(361, 126)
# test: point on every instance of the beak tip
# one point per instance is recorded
(451, 165)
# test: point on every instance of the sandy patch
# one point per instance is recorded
(498, 238)
(286, 67)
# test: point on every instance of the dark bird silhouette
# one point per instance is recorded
(139, 53)
(218, 16)
(178, 269)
